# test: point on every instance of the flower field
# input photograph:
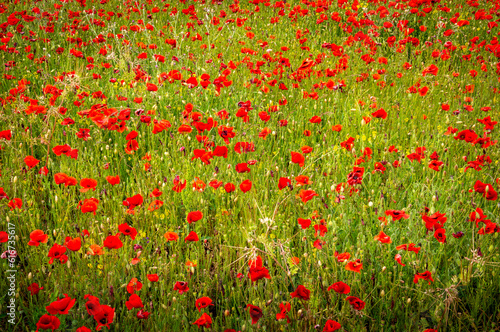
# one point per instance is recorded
(262, 165)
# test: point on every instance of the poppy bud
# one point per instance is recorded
(14, 180)
(383, 269)
(382, 293)
(408, 301)
(269, 302)
(30, 275)
(54, 232)
(174, 299)
(227, 313)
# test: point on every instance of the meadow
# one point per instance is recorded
(261, 165)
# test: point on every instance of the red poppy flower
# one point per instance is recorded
(306, 149)
(318, 244)
(257, 270)
(423, 275)
(31, 161)
(134, 301)
(83, 329)
(204, 321)
(126, 230)
(151, 87)
(153, 277)
(15, 203)
(104, 316)
(245, 186)
(192, 237)
(284, 309)
(215, 184)
(37, 237)
(337, 128)
(439, 234)
(60, 178)
(434, 221)
(432, 69)
(57, 252)
(181, 287)
(203, 302)
(113, 242)
(61, 306)
(331, 326)
(307, 195)
(302, 293)
(242, 168)
(171, 236)
(34, 289)
(342, 257)
(47, 322)
(315, 119)
(141, 314)
(356, 303)
(396, 214)
(302, 180)
(304, 223)
(355, 266)
(133, 285)
(87, 184)
(92, 305)
(255, 313)
(340, 287)
(297, 158)
(283, 183)
(3, 195)
(6, 134)
(321, 229)
(397, 258)
(73, 244)
(229, 187)
(134, 201)
(383, 238)
(381, 114)
(178, 185)
(89, 205)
